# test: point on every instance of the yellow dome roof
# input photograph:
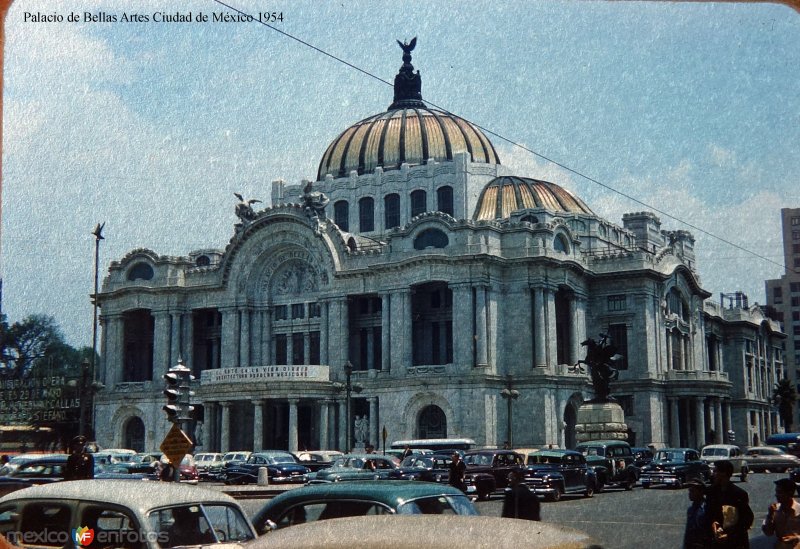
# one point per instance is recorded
(410, 134)
(503, 195)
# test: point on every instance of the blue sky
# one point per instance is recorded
(151, 127)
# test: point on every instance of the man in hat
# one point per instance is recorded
(80, 463)
(729, 509)
(697, 534)
(783, 516)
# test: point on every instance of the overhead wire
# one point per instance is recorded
(519, 145)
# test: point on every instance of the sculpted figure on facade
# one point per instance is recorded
(600, 359)
(244, 209)
(314, 203)
(361, 427)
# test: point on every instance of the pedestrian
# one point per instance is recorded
(457, 470)
(518, 501)
(783, 516)
(406, 452)
(697, 534)
(80, 463)
(167, 473)
(728, 509)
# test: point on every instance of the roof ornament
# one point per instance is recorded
(244, 209)
(407, 83)
(314, 203)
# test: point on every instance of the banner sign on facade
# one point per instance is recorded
(265, 373)
(38, 399)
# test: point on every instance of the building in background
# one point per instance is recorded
(442, 278)
(783, 294)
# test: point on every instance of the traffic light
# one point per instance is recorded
(178, 392)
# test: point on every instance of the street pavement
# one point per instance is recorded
(631, 520)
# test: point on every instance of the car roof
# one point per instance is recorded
(490, 451)
(429, 531)
(137, 494)
(604, 443)
(389, 492)
(676, 450)
(723, 446)
(557, 453)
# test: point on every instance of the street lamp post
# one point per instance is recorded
(98, 236)
(510, 395)
(349, 390)
(83, 394)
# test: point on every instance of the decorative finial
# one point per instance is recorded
(407, 83)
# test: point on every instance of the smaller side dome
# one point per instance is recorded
(506, 194)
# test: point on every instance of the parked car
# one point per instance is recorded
(34, 471)
(641, 456)
(612, 461)
(144, 462)
(209, 465)
(360, 467)
(770, 459)
(675, 466)
(428, 468)
(428, 531)
(282, 468)
(113, 455)
(717, 452)
(165, 515)
(348, 499)
(487, 470)
(188, 469)
(551, 473)
(235, 457)
(319, 459)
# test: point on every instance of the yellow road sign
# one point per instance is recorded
(175, 445)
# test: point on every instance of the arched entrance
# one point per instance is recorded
(432, 423)
(570, 419)
(134, 434)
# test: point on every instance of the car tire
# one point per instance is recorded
(483, 494)
(646, 485)
(678, 485)
(743, 474)
(556, 496)
(589, 491)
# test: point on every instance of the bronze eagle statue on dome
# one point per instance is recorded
(244, 209)
(408, 47)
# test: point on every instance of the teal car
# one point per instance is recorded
(351, 499)
(360, 467)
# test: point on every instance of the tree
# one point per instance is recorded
(32, 345)
(784, 395)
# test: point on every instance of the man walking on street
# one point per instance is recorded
(783, 516)
(728, 509)
(457, 470)
(519, 502)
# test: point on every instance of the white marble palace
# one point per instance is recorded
(442, 278)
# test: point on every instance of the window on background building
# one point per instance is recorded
(795, 235)
(313, 310)
(419, 201)
(796, 302)
(777, 295)
(619, 338)
(796, 261)
(298, 310)
(795, 221)
(298, 349)
(617, 302)
(794, 287)
(795, 315)
(444, 200)
(560, 244)
(314, 358)
(141, 271)
(796, 248)
(280, 349)
(281, 312)
(391, 210)
(341, 215)
(366, 214)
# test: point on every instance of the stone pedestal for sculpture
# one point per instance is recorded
(600, 421)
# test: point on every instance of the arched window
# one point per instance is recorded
(419, 201)
(431, 238)
(532, 219)
(341, 215)
(560, 244)
(366, 215)
(134, 434)
(432, 423)
(141, 271)
(444, 199)
(391, 211)
(202, 261)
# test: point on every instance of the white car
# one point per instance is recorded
(116, 513)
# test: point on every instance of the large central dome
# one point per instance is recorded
(408, 132)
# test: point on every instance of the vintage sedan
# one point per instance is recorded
(360, 467)
(319, 459)
(282, 468)
(552, 473)
(428, 468)
(105, 514)
(713, 453)
(349, 499)
(487, 470)
(767, 459)
(613, 461)
(209, 465)
(675, 466)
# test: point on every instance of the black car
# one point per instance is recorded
(642, 456)
(552, 473)
(674, 466)
(487, 470)
(613, 462)
(429, 468)
(282, 468)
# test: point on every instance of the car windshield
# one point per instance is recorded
(708, 452)
(438, 505)
(199, 524)
(416, 461)
(280, 458)
(478, 459)
(669, 456)
(592, 451)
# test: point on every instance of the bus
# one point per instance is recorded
(435, 444)
(791, 441)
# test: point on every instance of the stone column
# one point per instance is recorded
(229, 338)
(266, 337)
(175, 340)
(225, 427)
(187, 340)
(343, 426)
(256, 336)
(482, 357)
(386, 323)
(323, 424)
(293, 424)
(210, 410)
(373, 421)
(258, 425)
(462, 325)
(370, 349)
(408, 334)
(574, 342)
(700, 424)
(306, 347)
(719, 427)
(674, 423)
(323, 333)
(244, 337)
(539, 328)
(290, 348)
(580, 327)
(552, 337)
(161, 356)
